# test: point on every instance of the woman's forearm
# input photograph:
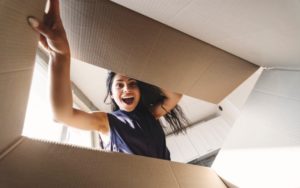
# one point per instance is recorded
(60, 86)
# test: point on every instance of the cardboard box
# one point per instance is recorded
(113, 37)
(116, 38)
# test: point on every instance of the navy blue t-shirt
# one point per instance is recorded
(137, 133)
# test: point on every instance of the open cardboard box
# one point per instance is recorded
(113, 37)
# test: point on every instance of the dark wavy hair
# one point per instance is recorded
(151, 96)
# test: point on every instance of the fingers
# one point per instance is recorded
(44, 42)
(34, 23)
(52, 17)
(39, 27)
(52, 33)
(53, 9)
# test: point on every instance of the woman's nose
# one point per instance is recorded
(126, 88)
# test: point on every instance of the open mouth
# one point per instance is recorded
(128, 100)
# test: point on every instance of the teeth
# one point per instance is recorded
(127, 97)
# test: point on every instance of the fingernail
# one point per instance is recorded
(33, 22)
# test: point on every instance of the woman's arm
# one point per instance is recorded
(53, 38)
(168, 104)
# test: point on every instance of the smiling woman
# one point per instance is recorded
(124, 92)
(133, 126)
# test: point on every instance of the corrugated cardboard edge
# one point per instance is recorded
(11, 147)
(24, 166)
(47, 157)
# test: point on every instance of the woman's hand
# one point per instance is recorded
(52, 33)
(167, 105)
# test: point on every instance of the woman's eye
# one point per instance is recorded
(119, 85)
(132, 84)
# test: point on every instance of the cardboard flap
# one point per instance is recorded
(17, 52)
(40, 164)
(113, 37)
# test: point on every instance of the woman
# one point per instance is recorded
(133, 127)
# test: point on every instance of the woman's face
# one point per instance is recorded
(125, 92)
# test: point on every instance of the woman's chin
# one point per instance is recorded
(128, 108)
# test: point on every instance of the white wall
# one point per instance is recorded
(235, 101)
(200, 140)
(263, 148)
(208, 137)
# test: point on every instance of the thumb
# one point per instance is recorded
(33, 22)
(38, 26)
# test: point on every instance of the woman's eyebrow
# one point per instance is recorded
(121, 80)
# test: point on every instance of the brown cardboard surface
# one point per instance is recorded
(187, 174)
(113, 37)
(14, 87)
(39, 164)
(17, 52)
(18, 41)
